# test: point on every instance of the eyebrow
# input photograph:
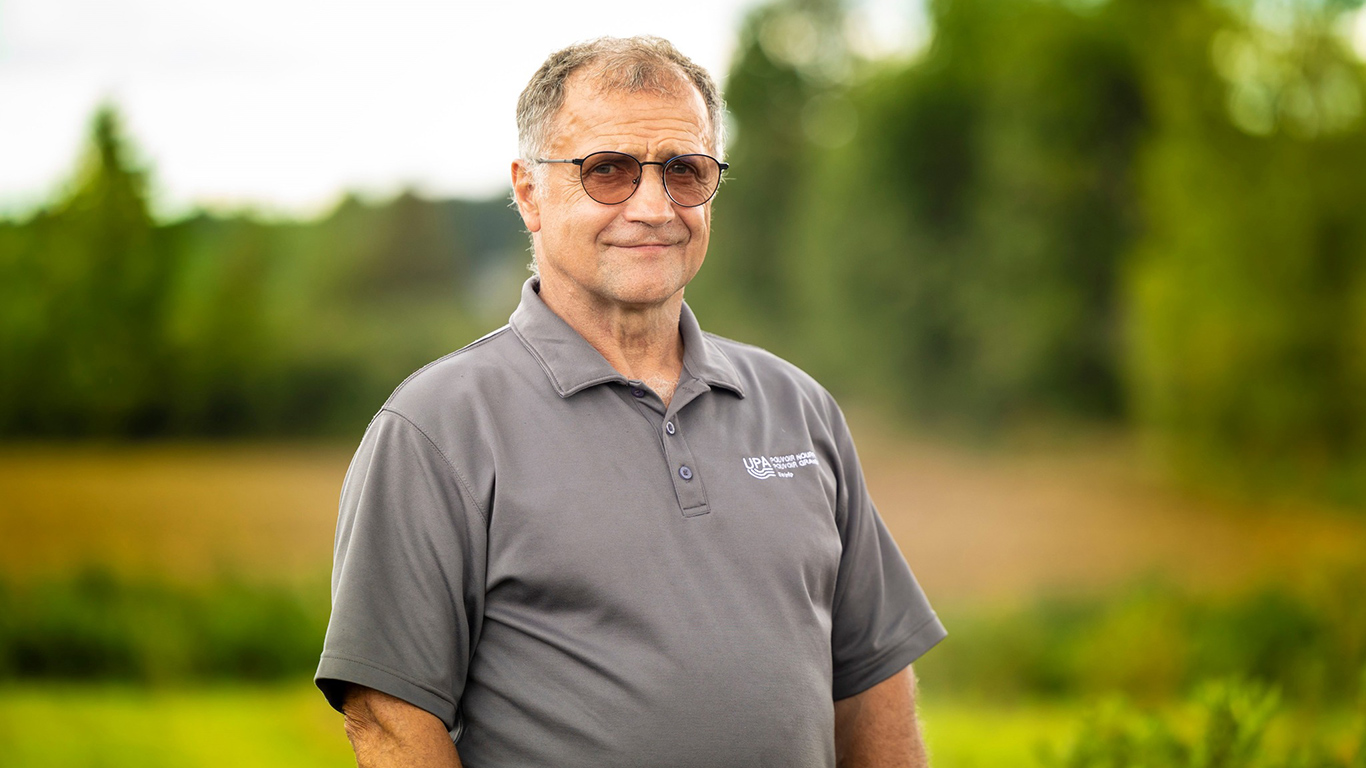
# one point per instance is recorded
(663, 153)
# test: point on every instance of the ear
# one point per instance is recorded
(524, 192)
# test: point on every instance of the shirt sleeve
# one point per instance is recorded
(882, 620)
(408, 573)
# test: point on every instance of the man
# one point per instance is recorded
(599, 536)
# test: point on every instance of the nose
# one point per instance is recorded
(650, 203)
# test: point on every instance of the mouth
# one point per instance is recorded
(650, 247)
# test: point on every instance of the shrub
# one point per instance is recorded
(99, 626)
(1154, 642)
(1230, 731)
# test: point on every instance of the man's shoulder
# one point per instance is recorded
(763, 371)
(470, 374)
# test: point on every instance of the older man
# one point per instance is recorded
(599, 536)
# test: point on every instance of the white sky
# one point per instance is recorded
(283, 104)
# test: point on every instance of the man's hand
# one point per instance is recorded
(878, 727)
(387, 732)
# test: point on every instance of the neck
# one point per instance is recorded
(642, 342)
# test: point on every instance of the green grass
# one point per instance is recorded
(962, 734)
(1108, 731)
(114, 726)
(108, 726)
(103, 726)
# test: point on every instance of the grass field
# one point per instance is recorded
(980, 529)
(69, 726)
(975, 526)
(291, 726)
(189, 512)
(90, 726)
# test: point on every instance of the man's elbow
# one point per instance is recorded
(363, 728)
(387, 731)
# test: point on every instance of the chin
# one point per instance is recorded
(649, 291)
(644, 297)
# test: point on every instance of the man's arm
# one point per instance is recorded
(387, 732)
(878, 727)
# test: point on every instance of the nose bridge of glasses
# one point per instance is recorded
(663, 179)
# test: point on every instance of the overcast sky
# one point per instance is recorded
(283, 104)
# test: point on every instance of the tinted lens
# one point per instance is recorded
(691, 179)
(609, 177)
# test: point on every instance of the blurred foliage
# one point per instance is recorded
(98, 626)
(84, 290)
(71, 726)
(114, 325)
(1136, 210)
(1247, 334)
(211, 726)
(956, 253)
(1153, 644)
(1132, 211)
(1157, 643)
(790, 63)
(1231, 732)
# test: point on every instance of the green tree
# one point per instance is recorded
(1247, 335)
(967, 243)
(86, 353)
(791, 64)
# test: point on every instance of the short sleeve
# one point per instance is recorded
(408, 573)
(882, 620)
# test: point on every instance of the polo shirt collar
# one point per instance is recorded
(573, 365)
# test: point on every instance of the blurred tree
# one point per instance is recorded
(218, 325)
(1247, 332)
(966, 245)
(114, 325)
(21, 322)
(415, 253)
(86, 352)
(1134, 209)
(792, 62)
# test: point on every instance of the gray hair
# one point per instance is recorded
(631, 64)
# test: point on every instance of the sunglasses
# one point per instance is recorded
(612, 177)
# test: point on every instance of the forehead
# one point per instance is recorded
(594, 117)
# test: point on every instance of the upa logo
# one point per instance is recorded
(767, 467)
(760, 467)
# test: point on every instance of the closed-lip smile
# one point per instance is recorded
(643, 246)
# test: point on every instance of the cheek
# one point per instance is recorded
(581, 226)
(564, 217)
(699, 225)
(568, 211)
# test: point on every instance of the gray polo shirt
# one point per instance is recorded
(566, 572)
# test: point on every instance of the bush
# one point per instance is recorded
(1156, 642)
(98, 626)
(1231, 732)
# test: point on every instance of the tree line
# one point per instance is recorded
(1143, 212)
(115, 325)
(1137, 212)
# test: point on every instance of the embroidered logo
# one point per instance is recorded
(765, 467)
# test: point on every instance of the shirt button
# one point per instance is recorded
(669, 427)
(638, 392)
(685, 473)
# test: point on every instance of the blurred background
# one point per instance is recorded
(1088, 275)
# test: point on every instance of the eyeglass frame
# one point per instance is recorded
(579, 161)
